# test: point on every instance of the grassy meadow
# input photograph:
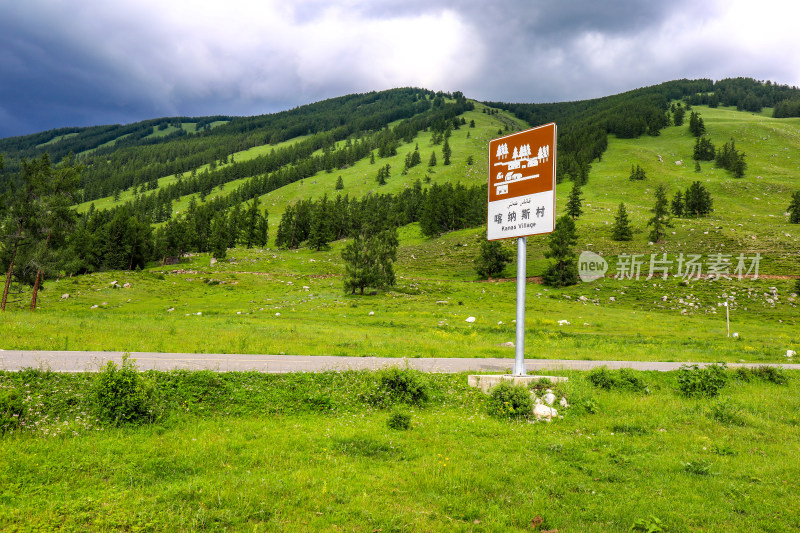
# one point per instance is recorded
(291, 301)
(299, 452)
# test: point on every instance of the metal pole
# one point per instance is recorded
(519, 351)
(728, 318)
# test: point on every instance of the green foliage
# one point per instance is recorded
(787, 108)
(697, 200)
(702, 382)
(677, 206)
(369, 261)
(573, 207)
(621, 379)
(698, 467)
(446, 152)
(637, 173)
(121, 395)
(564, 271)
(651, 524)
(12, 410)
(510, 401)
(406, 386)
(696, 125)
(678, 113)
(339, 184)
(703, 149)
(399, 421)
(492, 259)
(794, 208)
(621, 229)
(726, 412)
(731, 159)
(769, 374)
(660, 220)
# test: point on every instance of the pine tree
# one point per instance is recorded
(697, 200)
(218, 241)
(339, 183)
(492, 259)
(621, 230)
(446, 151)
(574, 202)
(432, 160)
(564, 271)
(678, 115)
(660, 220)
(637, 173)
(794, 209)
(677, 206)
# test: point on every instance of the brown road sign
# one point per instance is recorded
(522, 183)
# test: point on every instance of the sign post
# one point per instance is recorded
(522, 187)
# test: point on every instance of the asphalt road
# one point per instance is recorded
(68, 361)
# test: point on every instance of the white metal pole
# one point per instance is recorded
(519, 351)
(728, 318)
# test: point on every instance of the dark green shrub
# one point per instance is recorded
(704, 382)
(396, 385)
(769, 374)
(120, 394)
(622, 379)
(510, 401)
(11, 410)
(602, 378)
(399, 421)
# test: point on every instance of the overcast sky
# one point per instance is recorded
(88, 62)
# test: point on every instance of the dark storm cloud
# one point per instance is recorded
(88, 62)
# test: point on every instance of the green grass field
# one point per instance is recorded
(297, 452)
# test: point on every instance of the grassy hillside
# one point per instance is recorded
(291, 301)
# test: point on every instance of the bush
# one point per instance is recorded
(622, 379)
(401, 386)
(399, 421)
(510, 401)
(770, 374)
(11, 410)
(121, 395)
(705, 382)
(726, 412)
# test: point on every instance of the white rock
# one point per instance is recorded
(64, 296)
(372, 313)
(549, 398)
(563, 323)
(544, 412)
(171, 309)
(563, 403)
(214, 261)
(127, 286)
(238, 312)
(306, 287)
(500, 323)
(199, 313)
(277, 314)
(470, 319)
(664, 298)
(612, 299)
(790, 353)
(735, 335)
(94, 306)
